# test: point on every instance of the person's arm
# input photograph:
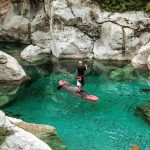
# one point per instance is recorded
(76, 70)
(85, 67)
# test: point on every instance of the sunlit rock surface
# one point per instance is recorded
(10, 70)
(76, 29)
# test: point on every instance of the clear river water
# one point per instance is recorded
(113, 123)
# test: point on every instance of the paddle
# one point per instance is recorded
(59, 87)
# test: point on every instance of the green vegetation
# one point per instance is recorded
(4, 132)
(123, 5)
(148, 7)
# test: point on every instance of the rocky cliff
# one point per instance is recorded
(75, 28)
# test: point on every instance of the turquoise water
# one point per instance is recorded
(110, 124)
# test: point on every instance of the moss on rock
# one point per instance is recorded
(148, 7)
(145, 110)
(125, 73)
(122, 5)
(44, 132)
(4, 132)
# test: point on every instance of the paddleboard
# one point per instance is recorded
(73, 89)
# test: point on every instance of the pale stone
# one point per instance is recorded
(148, 62)
(32, 53)
(70, 43)
(142, 55)
(2, 118)
(10, 70)
(16, 28)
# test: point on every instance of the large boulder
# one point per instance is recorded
(46, 133)
(70, 42)
(27, 136)
(148, 62)
(10, 70)
(15, 29)
(21, 139)
(2, 118)
(17, 138)
(32, 53)
(142, 56)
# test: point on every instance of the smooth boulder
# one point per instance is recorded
(142, 55)
(33, 53)
(21, 139)
(10, 70)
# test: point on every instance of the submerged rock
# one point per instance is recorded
(10, 70)
(125, 73)
(145, 110)
(8, 92)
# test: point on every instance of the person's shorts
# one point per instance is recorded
(80, 81)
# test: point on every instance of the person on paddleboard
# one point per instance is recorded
(81, 68)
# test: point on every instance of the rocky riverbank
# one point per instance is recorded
(24, 135)
(78, 29)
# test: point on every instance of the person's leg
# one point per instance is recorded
(78, 86)
(82, 89)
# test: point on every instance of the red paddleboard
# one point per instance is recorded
(73, 89)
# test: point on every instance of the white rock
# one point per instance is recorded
(145, 37)
(16, 28)
(40, 22)
(10, 69)
(142, 56)
(21, 139)
(32, 53)
(41, 39)
(2, 118)
(70, 43)
(148, 62)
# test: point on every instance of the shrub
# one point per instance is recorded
(148, 7)
(122, 5)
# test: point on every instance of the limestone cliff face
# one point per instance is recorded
(76, 29)
(4, 8)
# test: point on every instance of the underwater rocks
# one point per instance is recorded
(11, 76)
(10, 70)
(125, 73)
(8, 92)
(145, 110)
(32, 53)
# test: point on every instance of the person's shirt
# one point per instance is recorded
(80, 70)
